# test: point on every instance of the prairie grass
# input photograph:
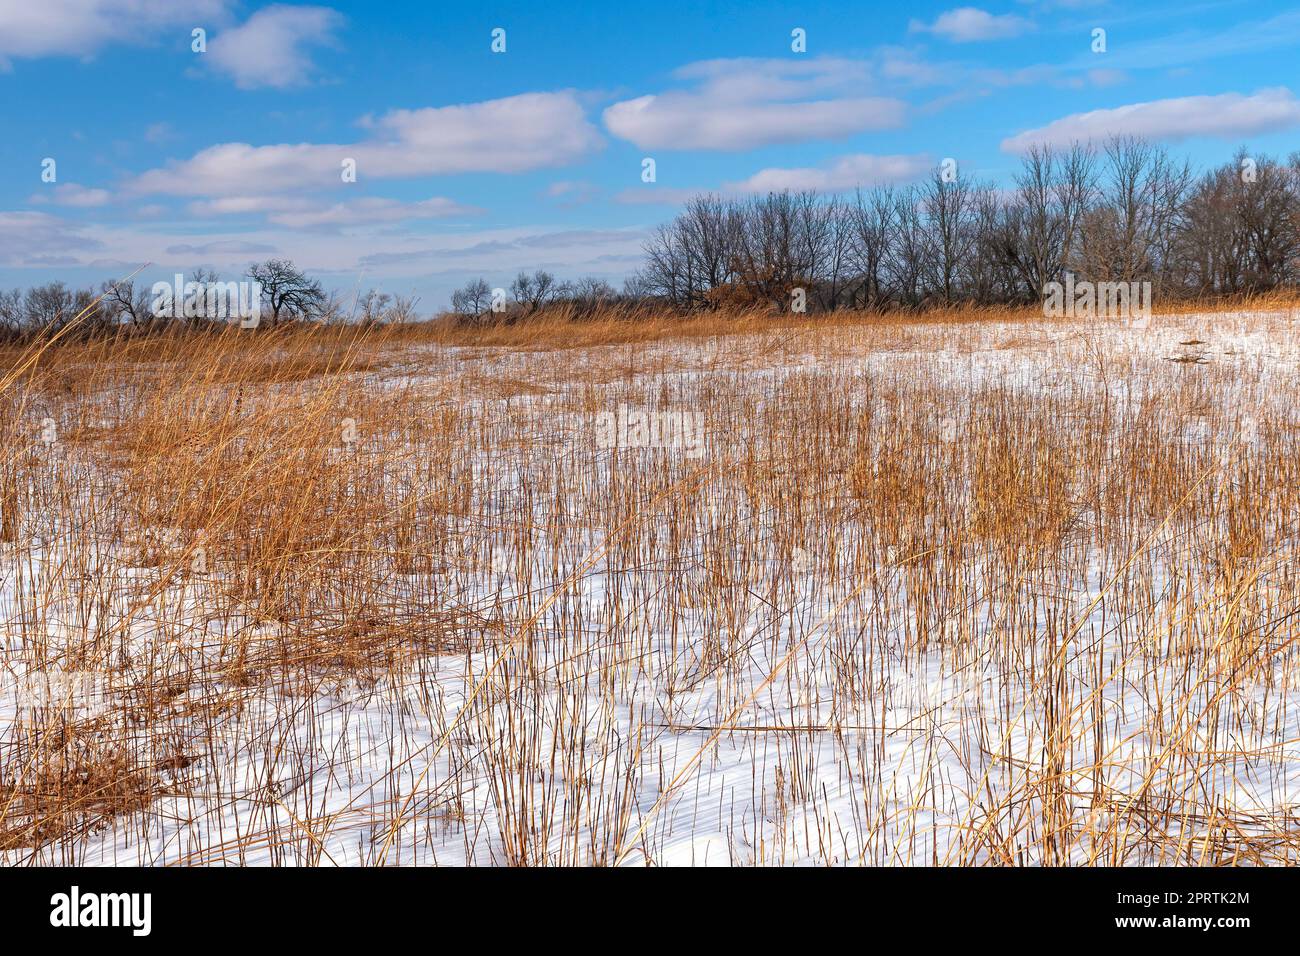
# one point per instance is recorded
(966, 587)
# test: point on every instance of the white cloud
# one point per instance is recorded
(45, 246)
(36, 28)
(656, 196)
(75, 195)
(158, 132)
(971, 24)
(235, 168)
(569, 187)
(570, 193)
(684, 121)
(900, 65)
(371, 210)
(1227, 116)
(222, 247)
(510, 135)
(847, 172)
(37, 238)
(744, 103)
(745, 79)
(297, 212)
(270, 48)
(505, 251)
(243, 205)
(1104, 78)
(909, 68)
(842, 174)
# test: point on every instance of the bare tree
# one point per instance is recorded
(1036, 234)
(288, 291)
(13, 316)
(1241, 228)
(122, 301)
(667, 272)
(909, 249)
(402, 310)
(707, 240)
(872, 228)
(534, 291)
(987, 275)
(333, 310)
(472, 300)
(48, 306)
(1126, 212)
(1130, 233)
(1270, 217)
(777, 248)
(372, 307)
(948, 212)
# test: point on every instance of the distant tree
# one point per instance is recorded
(332, 310)
(872, 222)
(533, 291)
(122, 301)
(402, 310)
(1128, 233)
(89, 309)
(472, 300)
(591, 289)
(372, 306)
(949, 207)
(1119, 211)
(48, 305)
(287, 290)
(12, 314)
(1241, 227)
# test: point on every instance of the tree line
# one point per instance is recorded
(287, 294)
(1126, 212)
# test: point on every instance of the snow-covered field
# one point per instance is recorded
(890, 593)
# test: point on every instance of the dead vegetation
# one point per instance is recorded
(969, 588)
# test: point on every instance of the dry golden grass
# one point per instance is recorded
(966, 587)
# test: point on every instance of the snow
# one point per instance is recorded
(662, 708)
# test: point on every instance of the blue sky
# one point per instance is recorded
(470, 162)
